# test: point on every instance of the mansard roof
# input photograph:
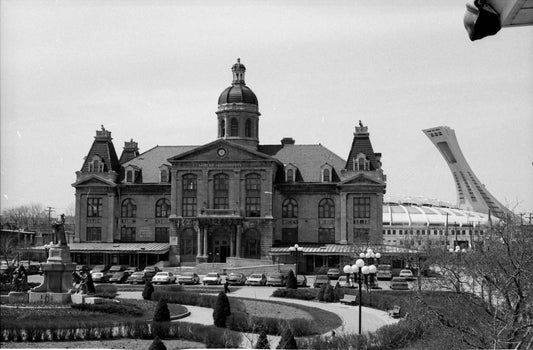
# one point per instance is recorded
(307, 158)
(150, 161)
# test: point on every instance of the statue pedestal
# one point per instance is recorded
(18, 297)
(50, 298)
(57, 273)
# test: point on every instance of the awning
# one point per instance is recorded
(342, 249)
(146, 248)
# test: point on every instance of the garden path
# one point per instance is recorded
(372, 319)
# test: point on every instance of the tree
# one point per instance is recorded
(291, 281)
(148, 290)
(329, 293)
(262, 341)
(161, 314)
(222, 310)
(32, 217)
(287, 340)
(497, 278)
(157, 344)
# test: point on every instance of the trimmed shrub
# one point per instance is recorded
(321, 292)
(162, 314)
(157, 344)
(148, 290)
(329, 294)
(338, 294)
(302, 293)
(287, 340)
(109, 291)
(222, 310)
(111, 308)
(291, 281)
(262, 341)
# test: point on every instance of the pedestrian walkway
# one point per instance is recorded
(372, 319)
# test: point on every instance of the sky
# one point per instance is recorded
(152, 71)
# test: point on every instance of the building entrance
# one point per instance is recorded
(219, 244)
(220, 250)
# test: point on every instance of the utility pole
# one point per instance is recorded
(50, 210)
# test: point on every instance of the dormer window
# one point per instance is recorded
(164, 174)
(361, 163)
(96, 165)
(290, 175)
(326, 175)
(129, 176)
(132, 173)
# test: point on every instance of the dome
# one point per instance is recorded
(237, 94)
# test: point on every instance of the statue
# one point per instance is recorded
(19, 282)
(360, 124)
(59, 235)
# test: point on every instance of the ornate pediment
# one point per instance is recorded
(362, 179)
(93, 180)
(221, 150)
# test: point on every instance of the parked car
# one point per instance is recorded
(236, 279)
(212, 278)
(384, 272)
(188, 278)
(136, 278)
(334, 273)
(407, 274)
(344, 282)
(119, 277)
(301, 281)
(115, 268)
(164, 277)
(150, 272)
(399, 283)
(99, 268)
(256, 279)
(99, 277)
(320, 280)
(276, 279)
(131, 269)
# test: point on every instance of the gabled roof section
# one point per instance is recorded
(361, 144)
(241, 152)
(103, 147)
(93, 180)
(362, 178)
(150, 161)
(307, 158)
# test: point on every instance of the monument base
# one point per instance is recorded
(50, 298)
(18, 297)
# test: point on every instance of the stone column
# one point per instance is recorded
(343, 223)
(205, 242)
(239, 233)
(232, 244)
(199, 234)
(174, 257)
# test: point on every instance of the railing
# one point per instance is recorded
(219, 212)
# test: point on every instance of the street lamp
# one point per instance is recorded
(357, 269)
(295, 251)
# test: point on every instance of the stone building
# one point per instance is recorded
(231, 199)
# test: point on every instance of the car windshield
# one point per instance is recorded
(383, 267)
(140, 274)
(276, 275)
(211, 274)
(188, 274)
(235, 275)
(334, 270)
(162, 274)
(255, 276)
(118, 274)
(342, 278)
(321, 277)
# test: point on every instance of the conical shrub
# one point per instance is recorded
(222, 310)
(161, 314)
(329, 293)
(148, 290)
(287, 340)
(291, 281)
(157, 344)
(262, 341)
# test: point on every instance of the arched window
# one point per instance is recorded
(325, 175)
(253, 195)
(234, 126)
(129, 176)
(361, 164)
(96, 165)
(188, 199)
(221, 191)
(326, 208)
(248, 128)
(162, 208)
(289, 208)
(129, 208)
(290, 175)
(222, 128)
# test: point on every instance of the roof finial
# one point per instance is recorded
(360, 123)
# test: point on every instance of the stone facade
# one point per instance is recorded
(230, 198)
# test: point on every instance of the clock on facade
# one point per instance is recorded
(221, 152)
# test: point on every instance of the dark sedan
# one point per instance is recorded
(119, 277)
(136, 278)
(236, 279)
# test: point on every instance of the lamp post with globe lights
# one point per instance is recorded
(357, 269)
